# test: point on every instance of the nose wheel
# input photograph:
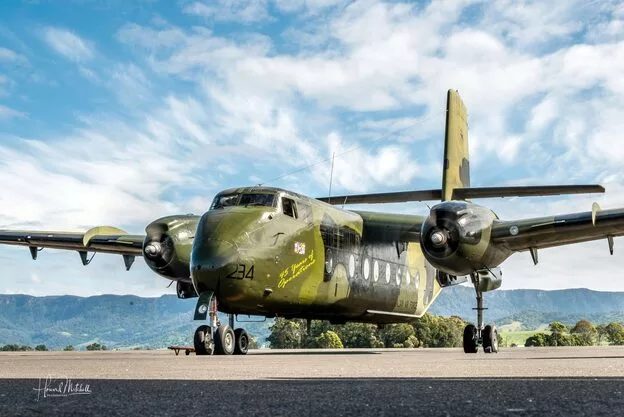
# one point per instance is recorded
(217, 338)
(480, 335)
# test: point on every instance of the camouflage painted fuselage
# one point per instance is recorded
(323, 262)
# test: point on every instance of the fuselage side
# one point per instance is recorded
(267, 251)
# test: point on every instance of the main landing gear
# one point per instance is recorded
(475, 336)
(220, 339)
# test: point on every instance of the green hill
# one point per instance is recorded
(116, 321)
(129, 321)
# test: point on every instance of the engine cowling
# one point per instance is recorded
(167, 245)
(455, 237)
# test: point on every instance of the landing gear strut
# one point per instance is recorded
(219, 339)
(475, 336)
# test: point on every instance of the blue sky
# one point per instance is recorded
(118, 112)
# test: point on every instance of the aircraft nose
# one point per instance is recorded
(212, 260)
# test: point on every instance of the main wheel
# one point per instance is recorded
(490, 339)
(242, 342)
(202, 341)
(224, 340)
(471, 339)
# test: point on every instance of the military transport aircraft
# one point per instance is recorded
(272, 252)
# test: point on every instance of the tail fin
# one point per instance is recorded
(456, 173)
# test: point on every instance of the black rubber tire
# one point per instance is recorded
(490, 339)
(242, 342)
(470, 339)
(225, 340)
(202, 341)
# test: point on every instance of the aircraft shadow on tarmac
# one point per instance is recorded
(315, 353)
(567, 357)
(321, 396)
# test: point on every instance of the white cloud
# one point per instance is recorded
(290, 6)
(69, 44)
(230, 10)
(8, 55)
(543, 108)
(7, 113)
(152, 39)
(130, 83)
(3, 81)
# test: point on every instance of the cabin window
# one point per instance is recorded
(289, 208)
(304, 212)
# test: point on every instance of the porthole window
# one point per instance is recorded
(375, 271)
(398, 276)
(366, 268)
(329, 262)
(387, 273)
(351, 265)
(408, 279)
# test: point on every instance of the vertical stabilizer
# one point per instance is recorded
(456, 173)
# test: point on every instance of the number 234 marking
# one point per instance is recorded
(242, 271)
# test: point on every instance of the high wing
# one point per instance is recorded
(386, 227)
(98, 239)
(545, 232)
(463, 194)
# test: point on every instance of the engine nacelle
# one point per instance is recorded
(448, 280)
(167, 246)
(455, 238)
(490, 280)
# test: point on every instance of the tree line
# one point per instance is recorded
(428, 331)
(44, 348)
(583, 333)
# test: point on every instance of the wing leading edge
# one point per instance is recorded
(545, 232)
(104, 239)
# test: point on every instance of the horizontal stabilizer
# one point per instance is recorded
(463, 194)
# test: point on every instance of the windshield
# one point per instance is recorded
(246, 199)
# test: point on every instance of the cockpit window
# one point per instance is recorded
(227, 200)
(257, 200)
(289, 208)
(244, 199)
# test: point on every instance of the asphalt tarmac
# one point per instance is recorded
(417, 382)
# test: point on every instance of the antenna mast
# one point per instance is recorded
(331, 177)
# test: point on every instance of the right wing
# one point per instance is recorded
(546, 232)
(104, 239)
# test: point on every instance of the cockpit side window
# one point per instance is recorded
(289, 208)
(226, 200)
(304, 212)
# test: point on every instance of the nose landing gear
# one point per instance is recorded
(475, 336)
(217, 338)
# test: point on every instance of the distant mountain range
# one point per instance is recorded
(505, 304)
(129, 321)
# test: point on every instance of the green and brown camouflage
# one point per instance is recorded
(273, 252)
(456, 169)
(316, 261)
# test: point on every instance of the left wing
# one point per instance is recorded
(98, 239)
(545, 232)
